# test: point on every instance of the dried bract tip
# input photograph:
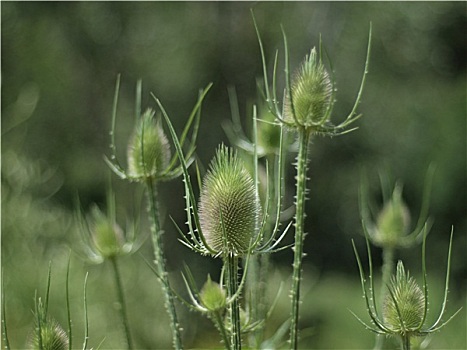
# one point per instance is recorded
(229, 207)
(213, 296)
(404, 306)
(311, 91)
(148, 150)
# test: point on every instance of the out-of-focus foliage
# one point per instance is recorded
(59, 65)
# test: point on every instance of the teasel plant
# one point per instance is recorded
(47, 333)
(103, 239)
(390, 227)
(305, 108)
(150, 163)
(404, 310)
(269, 143)
(228, 222)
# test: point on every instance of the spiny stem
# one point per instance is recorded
(160, 263)
(302, 160)
(232, 287)
(387, 269)
(219, 322)
(121, 300)
(5, 332)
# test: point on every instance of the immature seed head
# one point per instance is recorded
(229, 207)
(47, 334)
(311, 91)
(393, 221)
(107, 236)
(148, 150)
(213, 296)
(407, 316)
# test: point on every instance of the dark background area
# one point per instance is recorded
(60, 61)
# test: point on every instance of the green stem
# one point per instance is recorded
(304, 138)
(219, 322)
(121, 300)
(387, 269)
(405, 342)
(160, 263)
(234, 309)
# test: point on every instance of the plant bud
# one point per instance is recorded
(148, 150)
(311, 91)
(410, 302)
(107, 236)
(393, 221)
(229, 207)
(213, 296)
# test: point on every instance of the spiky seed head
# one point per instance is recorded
(107, 236)
(393, 222)
(229, 207)
(311, 91)
(149, 149)
(407, 316)
(47, 333)
(213, 296)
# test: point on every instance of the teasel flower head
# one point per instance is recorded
(148, 149)
(213, 296)
(102, 237)
(311, 94)
(391, 227)
(405, 306)
(47, 334)
(229, 207)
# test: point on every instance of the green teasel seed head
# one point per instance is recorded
(107, 235)
(213, 296)
(149, 149)
(404, 306)
(229, 207)
(393, 221)
(311, 91)
(47, 333)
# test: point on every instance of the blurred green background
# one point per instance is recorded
(59, 65)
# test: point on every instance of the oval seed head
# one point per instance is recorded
(311, 91)
(393, 221)
(148, 150)
(107, 236)
(52, 337)
(229, 207)
(410, 300)
(213, 296)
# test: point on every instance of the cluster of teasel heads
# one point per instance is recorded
(228, 220)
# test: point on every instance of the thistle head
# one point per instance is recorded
(229, 206)
(311, 92)
(404, 305)
(47, 334)
(148, 149)
(213, 296)
(393, 222)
